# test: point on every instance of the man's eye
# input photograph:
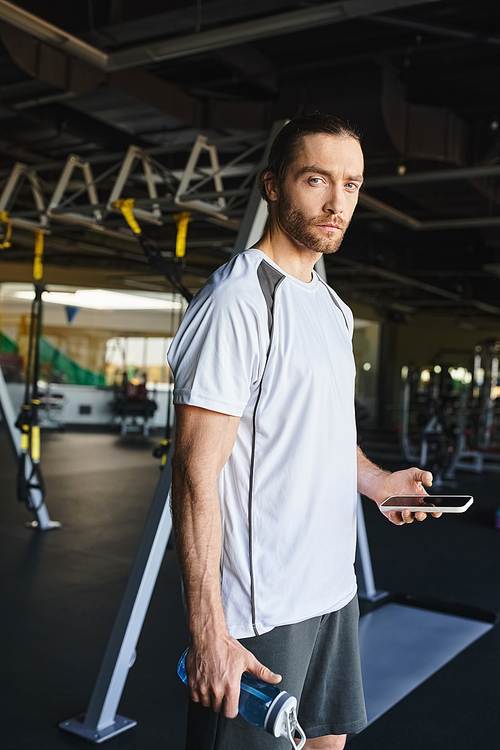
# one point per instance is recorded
(315, 180)
(351, 186)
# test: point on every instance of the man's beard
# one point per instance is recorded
(300, 229)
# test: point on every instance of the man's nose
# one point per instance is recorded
(334, 203)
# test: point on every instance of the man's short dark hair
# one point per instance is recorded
(287, 142)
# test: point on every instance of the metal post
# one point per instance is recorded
(8, 414)
(43, 522)
(364, 570)
(101, 721)
(254, 220)
(405, 424)
(320, 268)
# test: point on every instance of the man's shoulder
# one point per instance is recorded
(239, 281)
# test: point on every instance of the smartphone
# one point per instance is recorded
(441, 503)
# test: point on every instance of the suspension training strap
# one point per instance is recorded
(182, 220)
(27, 421)
(35, 401)
(38, 260)
(125, 205)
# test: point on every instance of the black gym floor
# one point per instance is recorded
(60, 590)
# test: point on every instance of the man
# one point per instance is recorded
(266, 467)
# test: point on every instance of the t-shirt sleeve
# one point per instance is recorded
(218, 354)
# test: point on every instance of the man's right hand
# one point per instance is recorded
(214, 672)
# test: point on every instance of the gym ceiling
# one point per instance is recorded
(419, 79)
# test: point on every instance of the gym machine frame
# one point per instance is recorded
(30, 485)
(37, 503)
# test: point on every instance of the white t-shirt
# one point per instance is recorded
(259, 344)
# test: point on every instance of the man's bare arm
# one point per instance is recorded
(378, 484)
(215, 662)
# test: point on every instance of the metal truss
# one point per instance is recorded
(211, 207)
(137, 154)
(22, 173)
(198, 188)
(56, 202)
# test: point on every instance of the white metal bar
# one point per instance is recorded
(255, 217)
(101, 721)
(7, 412)
(43, 522)
(22, 171)
(364, 570)
(133, 153)
(320, 268)
(206, 207)
(75, 162)
(214, 162)
(405, 425)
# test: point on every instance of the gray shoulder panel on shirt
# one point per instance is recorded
(335, 301)
(269, 278)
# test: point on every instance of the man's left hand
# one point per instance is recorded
(406, 482)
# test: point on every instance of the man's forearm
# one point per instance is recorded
(215, 661)
(370, 477)
(197, 527)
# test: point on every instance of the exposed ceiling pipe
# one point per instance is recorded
(407, 281)
(203, 41)
(400, 217)
(52, 35)
(250, 31)
(430, 28)
(470, 223)
(438, 175)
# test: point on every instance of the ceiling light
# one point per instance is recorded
(102, 299)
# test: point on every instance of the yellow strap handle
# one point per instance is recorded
(126, 205)
(35, 443)
(182, 220)
(25, 438)
(4, 217)
(38, 261)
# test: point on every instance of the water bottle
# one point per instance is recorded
(263, 705)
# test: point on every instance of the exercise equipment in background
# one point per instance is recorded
(30, 483)
(132, 406)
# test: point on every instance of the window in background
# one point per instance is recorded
(141, 357)
(366, 346)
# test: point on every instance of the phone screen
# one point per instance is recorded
(440, 501)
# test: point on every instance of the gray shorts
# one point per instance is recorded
(319, 662)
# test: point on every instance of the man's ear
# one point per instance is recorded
(271, 187)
